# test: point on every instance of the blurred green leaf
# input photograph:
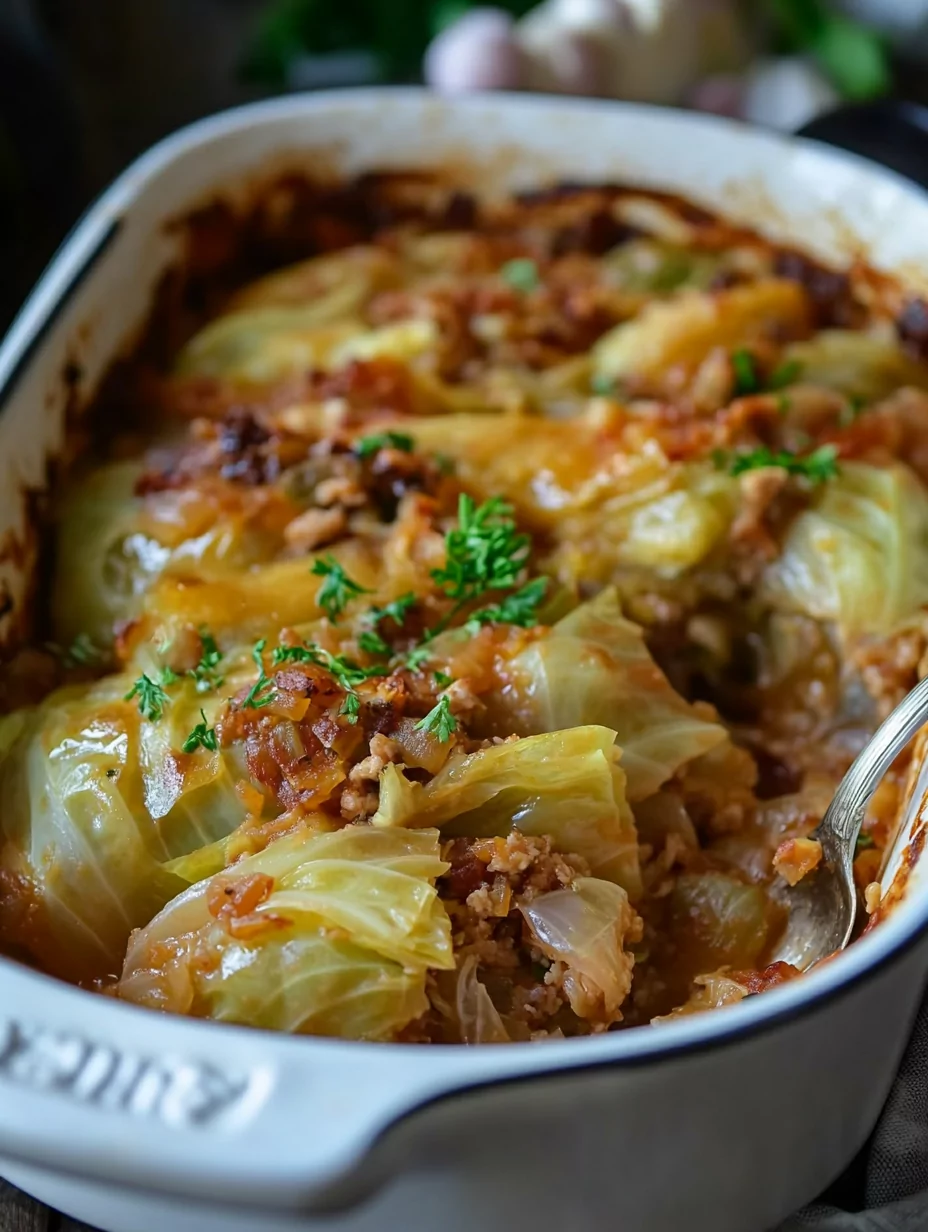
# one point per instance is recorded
(851, 55)
(800, 21)
(854, 58)
(396, 32)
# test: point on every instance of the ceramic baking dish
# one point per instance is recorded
(723, 1122)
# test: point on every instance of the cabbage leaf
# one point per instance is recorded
(77, 838)
(104, 563)
(565, 784)
(860, 365)
(859, 556)
(339, 945)
(96, 802)
(684, 329)
(585, 928)
(593, 667)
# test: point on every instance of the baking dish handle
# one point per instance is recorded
(233, 1116)
(890, 132)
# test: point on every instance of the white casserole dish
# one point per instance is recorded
(723, 1122)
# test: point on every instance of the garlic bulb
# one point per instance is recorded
(648, 50)
(477, 52)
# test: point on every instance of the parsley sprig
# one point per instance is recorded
(205, 673)
(152, 698)
(83, 652)
(337, 589)
(396, 610)
(439, 721)
(347, 674)
(519, 608)
(203, 736)
(521, 274)
(483, 552)
(817, 467)
(749, 381)
(373, 644)
(262, 692)
(367, 446)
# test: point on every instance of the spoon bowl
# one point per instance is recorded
(823, 905)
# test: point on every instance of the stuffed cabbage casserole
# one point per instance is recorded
(461, 615)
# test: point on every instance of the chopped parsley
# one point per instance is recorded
(337, 589)
(484, 551)
(395, 610)
(443, 679)
(295, 654)
(602, 385)
(152, 698)
(262, 692)
(817, 467)
(202, 737)
(521, 274)
(346, 673)
(167, 676)
(82, 652)
(520, 608)
(439, 721)
(367, 446)
(785, 374)
(416, 657)
(864, 842)
(747, 380)
(373, 644)
(850, 411)
(205, 674)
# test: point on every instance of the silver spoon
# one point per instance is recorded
(823, 906)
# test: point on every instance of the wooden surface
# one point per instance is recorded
(21, 1214)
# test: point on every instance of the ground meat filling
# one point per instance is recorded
(402, 483)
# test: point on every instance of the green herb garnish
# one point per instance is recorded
(167, 676)
(520, 608)
(82, 652)
(786, 374)
(262, 692)
(345, 670)
(351, 707)
(369, 445)
(817, 467)
(373, 643)
(851, 410)
(338, 588)
(439, 721)
(395, 610)
(602, 385)
(443, 679)
(416, 657)
(521, 274)
(484, 551)
(151, 697)
(864, 842)
(202, 737)
(205, 674)
(746, 379)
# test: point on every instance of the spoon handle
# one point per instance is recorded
(841, 824)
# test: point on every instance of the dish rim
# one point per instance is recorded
(21, 347)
